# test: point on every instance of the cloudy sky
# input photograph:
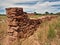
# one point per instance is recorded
(39, 6)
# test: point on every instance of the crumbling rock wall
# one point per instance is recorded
(20, 25)
(19, 22)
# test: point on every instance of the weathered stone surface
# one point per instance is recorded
(20, 25)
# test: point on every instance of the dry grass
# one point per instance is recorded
(48, 33)
(3, 28)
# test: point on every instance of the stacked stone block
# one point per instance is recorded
(19, 25)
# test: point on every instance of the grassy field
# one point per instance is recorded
(48, 32)
(3, 28)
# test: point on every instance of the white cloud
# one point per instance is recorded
(8, 3)
(40, 7)
(46, 6)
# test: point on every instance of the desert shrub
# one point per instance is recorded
(51, 33)
(58, 29)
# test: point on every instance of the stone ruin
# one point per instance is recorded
(19, 24)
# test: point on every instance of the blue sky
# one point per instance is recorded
(39, 6)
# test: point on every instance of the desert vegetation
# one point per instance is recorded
(48, 32)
